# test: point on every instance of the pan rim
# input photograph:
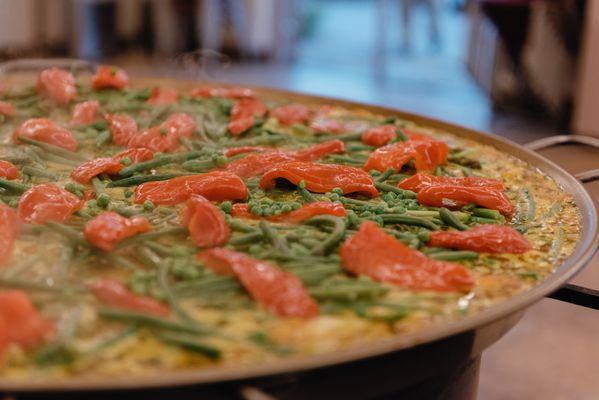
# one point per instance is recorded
(584, 250)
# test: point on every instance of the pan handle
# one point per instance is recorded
(38, 64)
(570, 293)
(584, 177)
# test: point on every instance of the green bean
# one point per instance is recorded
(74, 236)
(248, 238)
(451, 220)
(383, 177)
(304, 193)
(198, 165)
(408, 220)
(238, 225)
(346, 137)
(59, 151)
(278, 241)
(190, 343)
(336, 236)
(481, 220)
(453, 255)
(38, 286)
(206, 285)
(139, 179)
(351, 291)
(557, 243)
(33, 171)
(103, 139)
(406, 194)
(56, 159)
(401, 136)
(122, 335)
(531, 208)
(13, 187)
(151, 321)
(151, 236)
(120, 261)
(159, 161)
(61, 352)
(486, 213)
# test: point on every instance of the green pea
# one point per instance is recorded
(148, 205)
(103, 200)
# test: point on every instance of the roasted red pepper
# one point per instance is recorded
(427, 155)
(8, 170)
(163, 96)
(20, 322)
(57, 84)
(382, 257)
(320, 150)
(7, 109)
(380, 135)
(257, 163)
(47, 131)
(232, 93)
(277, 291)
(233, 151)
(109, 77)
(123, 128)
(289, 114)
(244, 113)
(109, 228)
(85, 112)
(115, 294)
(321, 178)
(206, 222)
(484, 238)
(10, 225)
(109, 165)
(165, 137)
(458, 196)
(215, 186)
(418, 182)
(307, 211)
(46, 202)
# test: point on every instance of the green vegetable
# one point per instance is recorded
(190, 343)
(334, 238)
(451, 220)
(453, 255)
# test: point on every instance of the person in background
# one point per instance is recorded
(407, 8)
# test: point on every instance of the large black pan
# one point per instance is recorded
(408, 358)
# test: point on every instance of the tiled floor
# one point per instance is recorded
(553, 352)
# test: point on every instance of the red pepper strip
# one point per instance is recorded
(215, 186)
(123, 128)
(321, 178)
(46, 202)
(8, 170)
(243, 115)
(307, 211)
(206, 223)
(10, 225)
(382, 257)
(163, 96)
(57, 85)
(380, 135)
(258, 163)
(47, 131)
(483, 238)
(109, 165)
(233, 151)
(320, 150)
(232, 93)
(7, 109)
(164, 138)
(326, 125)
(115, 294)
(426, 155)
(289, 114)
(109, 228)
(84, 113)
(277, 291)
(451, 196)
(108, 77)
(20, 322)
(418, 182)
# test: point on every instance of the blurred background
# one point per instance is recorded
(522, 69)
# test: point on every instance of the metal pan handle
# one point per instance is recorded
(570, 293)
(38, 64)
